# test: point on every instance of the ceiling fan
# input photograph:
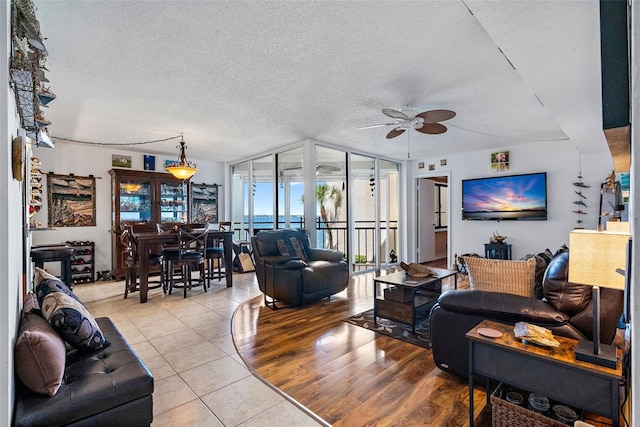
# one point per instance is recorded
(406, 118)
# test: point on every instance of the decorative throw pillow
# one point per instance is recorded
(547, 255)
(298, 248)
(73, 322)
(562, 249)
(46, 283)
(31, 304)
(542, 261)
(282, 247)
(39, 355)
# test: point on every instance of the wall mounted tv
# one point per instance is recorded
(514, 197)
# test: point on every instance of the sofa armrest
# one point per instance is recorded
(502, 307)
(284, 262)
(317, 254)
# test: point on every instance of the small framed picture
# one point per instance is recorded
(500, 161)
(432, 167)
(120, 161)
(168, 163)
(149, 162)
(443, 162)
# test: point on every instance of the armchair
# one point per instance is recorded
(289, 270)
(566, 310)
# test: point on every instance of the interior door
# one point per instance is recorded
(426, 222)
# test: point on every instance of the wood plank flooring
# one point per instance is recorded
(345, 374)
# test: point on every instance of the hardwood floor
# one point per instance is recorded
(345, 374)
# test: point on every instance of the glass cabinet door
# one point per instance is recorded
(135, 201)
(173, 202)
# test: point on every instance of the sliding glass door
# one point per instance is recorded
(262, 194)
(375, 212)
(389, 202)
(356, 201)
(240, 199)
(331, 218)
(364, 207)
(290, 189)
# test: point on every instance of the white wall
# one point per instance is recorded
(11, 228)
(85, 160)
(560, 160)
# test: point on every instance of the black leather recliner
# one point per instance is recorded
(289, 270)
(566, 310)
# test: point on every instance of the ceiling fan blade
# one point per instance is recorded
(395, 114)
(395, 132)
(432, 128)
(377, 126)
(435, 116)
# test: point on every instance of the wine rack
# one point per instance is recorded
(83, 262)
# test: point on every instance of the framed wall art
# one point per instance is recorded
(71, 200)
(149, 162)
(204, 203)
(120, 161)
(500, 161)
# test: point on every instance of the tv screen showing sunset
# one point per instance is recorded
(509, 197)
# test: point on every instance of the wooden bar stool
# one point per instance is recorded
(128, 239)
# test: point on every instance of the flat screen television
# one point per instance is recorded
(514, 197)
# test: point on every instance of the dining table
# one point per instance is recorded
(147, 239)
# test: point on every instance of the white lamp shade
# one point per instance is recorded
(596, 255)
(622, 226)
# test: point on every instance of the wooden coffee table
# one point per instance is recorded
(407, 299)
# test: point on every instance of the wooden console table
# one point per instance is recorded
(552, 372)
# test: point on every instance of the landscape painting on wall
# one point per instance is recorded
(71, 200)
(120, 161)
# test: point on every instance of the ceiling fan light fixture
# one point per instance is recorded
(427, 122)
(182, 168)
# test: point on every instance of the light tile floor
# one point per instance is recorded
(186, 343)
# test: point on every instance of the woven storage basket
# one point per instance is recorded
(507, 414)
(400, 294)
(415, 270)
(506, 276)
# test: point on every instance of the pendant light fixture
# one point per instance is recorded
(182, 168)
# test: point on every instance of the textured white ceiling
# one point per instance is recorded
(241, 77)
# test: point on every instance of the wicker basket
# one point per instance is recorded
(506, 276)
(507, 414)
(415, 270)
(400, 294)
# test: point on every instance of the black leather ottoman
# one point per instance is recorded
(110, 386)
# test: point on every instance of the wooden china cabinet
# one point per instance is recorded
(143, 199)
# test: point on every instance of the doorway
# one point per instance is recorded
(432, 214)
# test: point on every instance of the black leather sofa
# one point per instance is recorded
(291, 271)
(566, 310)
(106, 387)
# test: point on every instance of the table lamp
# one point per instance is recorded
(596, 258)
